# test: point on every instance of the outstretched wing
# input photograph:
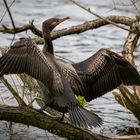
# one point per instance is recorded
(105, 71)
(25, 57)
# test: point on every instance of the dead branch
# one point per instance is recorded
(97, 15)
(30, 26)
(93, 24)
(11, 18)
(136, 7)
(14, 93)
(10, 88)
(10, 15)
(6, 11)
(30, 116)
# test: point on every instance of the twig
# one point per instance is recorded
(6, 11)
(14, 93)
(136, 7)
(10, 15)
(30, 26)
(97, 15)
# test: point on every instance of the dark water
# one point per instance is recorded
(76, 48)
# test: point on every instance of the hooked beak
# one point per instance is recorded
(58, 21)
(62, 20)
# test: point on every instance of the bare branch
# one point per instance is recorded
(14, 93)
(6, 11)
(23, 28)
(97, 15)
(10, 15)
(136, 7)
(93, 24)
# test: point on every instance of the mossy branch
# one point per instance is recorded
(28, 116)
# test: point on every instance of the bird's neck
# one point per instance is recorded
(48, 46)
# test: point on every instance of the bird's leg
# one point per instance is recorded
(42, 108)
(30, 104)
(62, 117)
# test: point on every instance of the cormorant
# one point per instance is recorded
(99, 74)
(25, 57)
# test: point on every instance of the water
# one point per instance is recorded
(76, 48)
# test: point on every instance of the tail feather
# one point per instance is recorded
(76, 117)
(83, 118)
(93, 119)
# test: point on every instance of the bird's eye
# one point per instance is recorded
(57, 21)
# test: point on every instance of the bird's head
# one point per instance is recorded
(51, 23)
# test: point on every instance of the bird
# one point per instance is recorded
(100, 73)
(105, 71)
(24, 56)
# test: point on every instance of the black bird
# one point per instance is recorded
(105, 71)
(99, 74)
(25, 57)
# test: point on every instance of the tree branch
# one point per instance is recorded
(6, 11)
(30, 26)
(14, 93)
(30, 116)
(93, 24)
(10, 15)
(97, 15)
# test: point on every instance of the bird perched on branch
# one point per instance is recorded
(99, 74)
(92, 78)
(25, 57)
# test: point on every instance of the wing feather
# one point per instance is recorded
(26, 58)
(105, 71)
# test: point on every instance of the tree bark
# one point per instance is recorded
(28, 116)
(77, 29)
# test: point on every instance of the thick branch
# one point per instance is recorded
(29, 116)
(93, 24)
